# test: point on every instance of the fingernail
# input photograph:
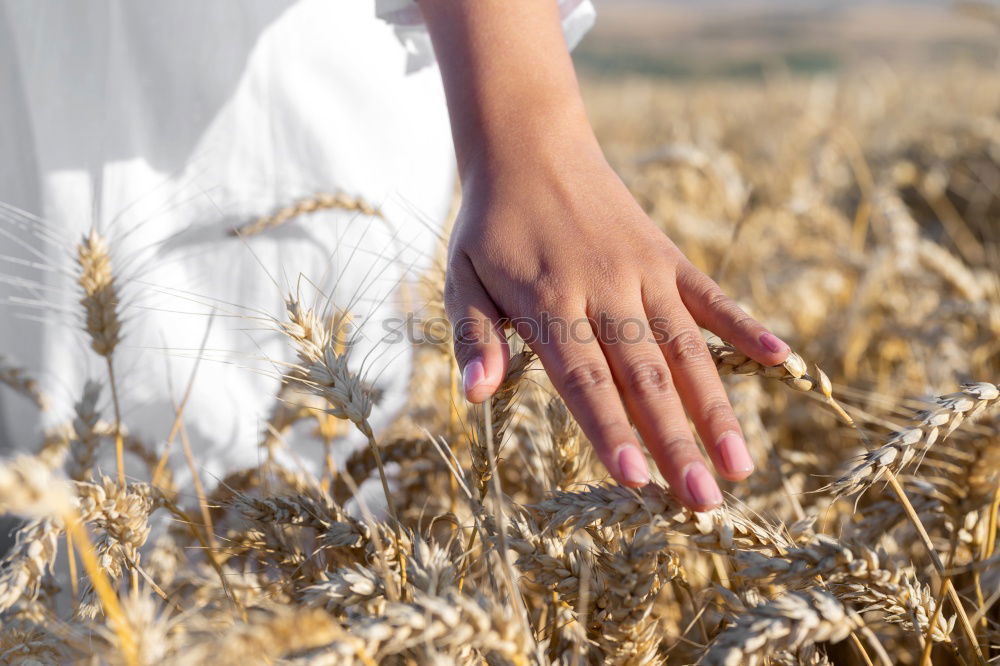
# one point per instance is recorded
(733, 451)
(771, 343)
(632, 466)
(701, 486)
(472, 375)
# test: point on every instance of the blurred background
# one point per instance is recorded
(701, 39)
(836, 165)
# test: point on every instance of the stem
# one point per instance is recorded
(987, 553)
(390, 505)
(956, 601)
(876, 646)
(119, 444)
(454, 421)
(925, 657)
(74, 582)
(189, 524)
(112, 608)
(199, 489)
(330, 467)
(465, 561)
(861, 649)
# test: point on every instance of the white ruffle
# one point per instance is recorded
(404, 15)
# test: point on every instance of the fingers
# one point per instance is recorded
(699, 385)
(648, 387)
(480, 344)
(580, 373)
(718, 313)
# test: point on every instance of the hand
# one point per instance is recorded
(549, 237)
(558, 240)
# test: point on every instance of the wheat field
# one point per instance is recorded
(856, 214)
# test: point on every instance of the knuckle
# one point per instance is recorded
(719, 300)
(467, 330)
(546, 290)
(729, 309)
(649, 378)
(741, 320)
(718, 412)
(685, 348)
(585, 379)
(676, 446)
(603, 266)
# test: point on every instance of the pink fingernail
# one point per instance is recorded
(473, 375)
(701, 486)
(632, 466)
(733, 451)
(771, 343)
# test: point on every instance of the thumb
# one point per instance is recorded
(477, 329)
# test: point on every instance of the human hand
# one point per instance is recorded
(547, 233)
(556, 245)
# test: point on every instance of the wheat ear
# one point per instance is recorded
(855, 572)
(793, 372)
(721, 530)
(17, 379)
(633, 576)
(791, 621)
(102, 320)
(930, 426)
(501, 410)
(28, 487)
(87, 439)
(338, 201)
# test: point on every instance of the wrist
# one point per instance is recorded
(526, 138)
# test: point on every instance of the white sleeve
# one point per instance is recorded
(404, 15)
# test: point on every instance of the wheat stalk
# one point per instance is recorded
(322, 201)
(854, 572)
(501, 411)
(792, 372)
(567, 454)
(17, 379)
(930, 426)
(791, 621)
(83, 447)
(721, 530)
(27, 561)
(102, 321)
(633, 576)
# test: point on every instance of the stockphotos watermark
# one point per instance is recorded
(543, 329)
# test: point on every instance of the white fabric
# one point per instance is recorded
(577, 18)
(167, 123)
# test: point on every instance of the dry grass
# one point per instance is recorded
(858, 216)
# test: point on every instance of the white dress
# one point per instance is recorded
(165, 124)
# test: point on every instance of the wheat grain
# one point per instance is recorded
(100, 294)
(791, 621)
(26, 563)
(930, 426)
(855, 573)
(722, 529)
(567, 454)
(347, 587)
(622, 617)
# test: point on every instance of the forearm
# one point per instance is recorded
(508, 78)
